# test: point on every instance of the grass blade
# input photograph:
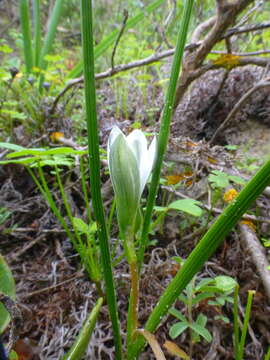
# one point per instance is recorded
(37, 31)
(81, 343)
(94, 163)
(26, 33)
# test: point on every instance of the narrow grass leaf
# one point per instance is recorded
(82, 341)
(26, 34)
(94, 164)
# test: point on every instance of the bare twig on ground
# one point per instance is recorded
(26, 247)
(252, 244)
(52, 287)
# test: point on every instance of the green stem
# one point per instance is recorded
(165, 125)
(26, 33)
(94, 164)
(245, 325)
(235, 321)
(49, 38)
(37, 31)
(132, 323)
(45, 191)
(82, 341)
(85, 192)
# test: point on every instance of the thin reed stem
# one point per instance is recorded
(94, 165)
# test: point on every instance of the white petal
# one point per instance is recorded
(147, 163)
(113, 135)
(138, 143)
(153, 151)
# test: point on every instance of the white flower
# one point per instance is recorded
(130, 164)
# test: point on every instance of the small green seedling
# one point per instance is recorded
(218, 292)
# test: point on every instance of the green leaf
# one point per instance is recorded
(223, 318)
(198, 298)
(202, 283)
(63, 161)
(160, 208)
(237, 179)
(45, 152)
(189, 206)
(177, 314)
(11, 146)
(201, 320)
(7, 287)
(202, 331)
(5, 49)
(218, 179)
(177, 329)
(80, 225)
(225, 283)
(82, 341)
(183, 298)
(24, 161)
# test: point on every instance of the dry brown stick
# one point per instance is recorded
(201, 28)
(238, 106)
(28, 246)
(246, 29)
(49, 288)
(251, 242)
(252, 53)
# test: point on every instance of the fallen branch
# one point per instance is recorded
(252, 244)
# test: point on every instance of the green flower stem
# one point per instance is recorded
(81, 343)
(205, 248)
(37, 31)
(235, 321)
(26, 33)
(165, 125)
(85, 192)
(132, 323)
(49, 38)
(245, 325)
(94, 163)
